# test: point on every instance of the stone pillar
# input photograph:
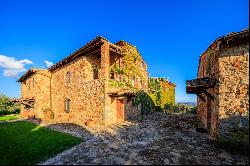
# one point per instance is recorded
(105, 61)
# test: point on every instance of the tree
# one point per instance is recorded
(5, 103)
(7, 106)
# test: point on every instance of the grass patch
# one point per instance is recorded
(8, 117)
(26, 143)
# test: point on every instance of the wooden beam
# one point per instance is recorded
(202, 98)
(207, 93)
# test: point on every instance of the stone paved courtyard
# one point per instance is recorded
(156, 139)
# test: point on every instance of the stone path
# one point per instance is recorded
(9, 121)
(157, 139)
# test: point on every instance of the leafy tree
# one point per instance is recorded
(7, 106)
(5, 102)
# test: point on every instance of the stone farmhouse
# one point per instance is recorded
(93, 85)
(222, 86)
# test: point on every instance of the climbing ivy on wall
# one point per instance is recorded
(141, 97)
(160, 96)
(161, 92)
(130, 68)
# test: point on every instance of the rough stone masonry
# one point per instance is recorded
(222, 87)
(77, 89)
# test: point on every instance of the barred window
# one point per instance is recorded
(67, 105)
(68, 77)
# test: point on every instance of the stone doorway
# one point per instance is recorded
(120, 109)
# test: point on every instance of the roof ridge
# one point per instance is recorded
(235, 33)
(225, 36)
(123, 41)
(81, 48)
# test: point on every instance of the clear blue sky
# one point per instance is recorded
(170, 34)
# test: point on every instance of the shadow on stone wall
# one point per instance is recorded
(234, 132)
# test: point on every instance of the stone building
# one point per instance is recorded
(162, 92)
(222, 86)
(93, 85)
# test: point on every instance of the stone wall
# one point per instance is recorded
(234, 91)
(167, 93)
(228, 109)
(207, 107)
(122, 83)
(89, 97)
(36, 86)
(131, 111)
(86, 94)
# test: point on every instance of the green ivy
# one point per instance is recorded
(142, 97)
(161, 92)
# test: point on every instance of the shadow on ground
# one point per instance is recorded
(158, 138)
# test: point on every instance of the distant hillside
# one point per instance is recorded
(188, 103)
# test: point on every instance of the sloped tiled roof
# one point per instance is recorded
(232, 36)
(227, 40)
(29, 73)
(96, 41)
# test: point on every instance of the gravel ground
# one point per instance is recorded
(157, 139)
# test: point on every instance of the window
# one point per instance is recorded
(141, 82)
(33, 82)
(28, 85)
(68, 77)
(122, 77)
(67, 105)
(95, 71)
(133, 81)
(142, 64)
(112, 75)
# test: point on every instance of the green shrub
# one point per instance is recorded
(158, 109)
(4, 112)
(185, 109)
(7, 106)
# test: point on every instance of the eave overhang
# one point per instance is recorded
(197, 86)
(24, 100)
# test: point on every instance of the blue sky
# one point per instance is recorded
(170, 35)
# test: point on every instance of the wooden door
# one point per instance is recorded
(119, 110)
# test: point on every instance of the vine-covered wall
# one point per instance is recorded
(162, 92)
(130, 72)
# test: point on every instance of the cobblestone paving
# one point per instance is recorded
(157, 139)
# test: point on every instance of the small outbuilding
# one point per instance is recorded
(222, 87)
